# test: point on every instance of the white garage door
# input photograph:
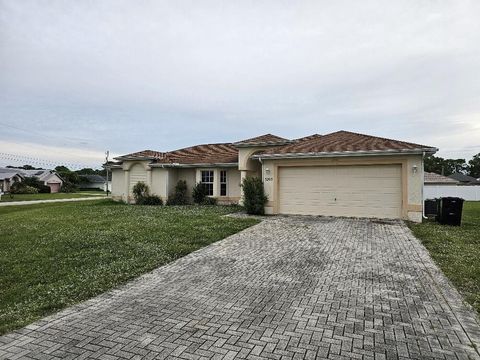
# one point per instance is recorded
(362, 191)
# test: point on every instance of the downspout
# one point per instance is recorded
(423, 185)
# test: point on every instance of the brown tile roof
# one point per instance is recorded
(205, 154)
(343, 141)
(340, 141)
(148, 154)
(262, 139)
(307, 138)
(199, 154)
(433, 178)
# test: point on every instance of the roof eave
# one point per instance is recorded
(123, 158)
(347, 153)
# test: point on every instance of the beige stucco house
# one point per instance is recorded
(337, 174)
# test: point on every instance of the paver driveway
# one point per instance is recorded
(296, 287)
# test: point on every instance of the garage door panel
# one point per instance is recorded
(366, 191)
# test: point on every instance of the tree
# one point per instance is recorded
(24, 167)
(474, 166)
(86, 171)
(433, 164)
(443, 166)
(62, 168)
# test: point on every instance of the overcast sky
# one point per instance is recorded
(80, 77)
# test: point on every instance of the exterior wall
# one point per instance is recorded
(172, 179)
(138, 173)
(189, 175)
(233, 182)
(118, 181)
(412, 181)
(245, 163)
(53, 179)
(415, 181)
(162, 181)
(55, 187)
(159, 183)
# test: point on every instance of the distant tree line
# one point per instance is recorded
(447, 167)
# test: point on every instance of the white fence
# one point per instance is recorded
(470, 193)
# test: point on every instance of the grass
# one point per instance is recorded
(28, 197)
(55, 255)
(456, 249)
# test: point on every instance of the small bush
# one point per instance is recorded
(140, 191)
(209, 201)
(150, 200)
(44, 189)
(68, 187)
(20, 188)
(199, 193)
(17, 188)
(254, 198)
(180, 195)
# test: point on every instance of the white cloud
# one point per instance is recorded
(45, 156)
(129, 75)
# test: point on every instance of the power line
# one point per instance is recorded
(41, 162)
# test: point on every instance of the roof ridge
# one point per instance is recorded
(374, 137)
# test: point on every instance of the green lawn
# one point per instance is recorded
(456, 250)
(55, 255)
(27, 197)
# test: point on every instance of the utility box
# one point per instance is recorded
(450, 211)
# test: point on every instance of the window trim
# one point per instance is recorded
(212, 178)
(223, 182)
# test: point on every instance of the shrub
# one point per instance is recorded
(209, 201)
(199, 193)
(17, 188)
(21, 188)
(44, 189)
(140, 191)
(25, 189)
(150, 200)
(254, 198)
(180, 195)
(68, 187)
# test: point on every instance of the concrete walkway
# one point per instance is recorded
(288, 288)
(31, 202)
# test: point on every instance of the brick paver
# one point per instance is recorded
(288, 288)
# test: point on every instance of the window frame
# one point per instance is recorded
(223, 181)
(209, 184)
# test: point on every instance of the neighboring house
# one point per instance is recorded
(438, 186)
(465, 179)
(437, 179)
(93, 182)
(8, 178)
(338, 174)
(48, 177)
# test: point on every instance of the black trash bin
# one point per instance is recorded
(451, 211)
(431, 207)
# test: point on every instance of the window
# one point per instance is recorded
(223, 183)
(207, 180)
